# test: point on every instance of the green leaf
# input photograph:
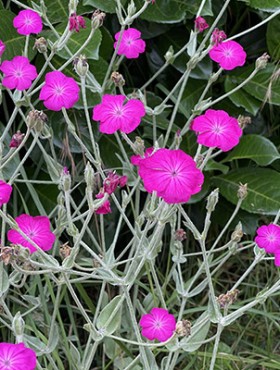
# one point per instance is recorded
(213, 165)
(76, 40)
(267, 5)
(273, 38)
(110, 317)
(163, 11)
(14, 42)
(4, 280)
(106, 6)
(263, 189)
(255, 147)
(241, 98)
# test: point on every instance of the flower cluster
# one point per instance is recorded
(16, 357)
(131, 45)
(217, 129)
(114, 114)
(158, 324)
(268, 238)
(171, 173)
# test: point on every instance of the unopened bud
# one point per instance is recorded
(139, 145)
(89, 176)
(64, 251)
(237, 235)
(97, 19)
(16, 140)
(81, 65)
(212, 200)
(262, 61)
(225, 300)
(169, 55)
(131, 9)
(183, 328)
(118, 79)
(66, 179)
(36, 119)
(244, 121)
(242, 191)
(41, 44)
(18, 325)
(180, 235)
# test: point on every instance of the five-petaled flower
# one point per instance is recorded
(114, 115)
(200, 24)
(76, 22)
(158, 324)
(268, 238)
(229, 55)
(171, 173)
(16, 357)
(131, 45)
(216, 128)
(18, 73)
(37, 229)
(5, 192)
(27, 22)
(2, 48)
(59, 91)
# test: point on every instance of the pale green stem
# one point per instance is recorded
(9, 124)
(209, 152)
(216, 346)
(26, 45)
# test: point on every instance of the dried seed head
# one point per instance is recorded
(97, 19)
(242, 191)
(41, 44)
(225, 300)
(183, 328)
(118, 79)
(180, 235)
(64, 250)
(244, 121)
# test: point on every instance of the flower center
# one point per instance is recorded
(217, 129)
(228, 53)
(129, 42)
(271, 237)
(158, 324)
(59, 90)
(18, 73)
(174, 173)
(118, 112)
(28, 21)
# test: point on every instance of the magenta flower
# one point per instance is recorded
(268, 237)
(59, 91)
(228, 54)
(76, 22)
(114, 115)
(277, 259)
(216, 128)
(200, 24)
(37, 229)
(104, 209)
(158, 324)
(218, 36)
(2, 48)
(136, 159)
(131, 45)
(112, 181)
(16, 357)
(5, 193)
(172, 174)
(27, 22)
(18, 73)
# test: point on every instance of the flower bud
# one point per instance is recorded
(169, 55)
(217, 37)
(131, 9)
(64, 250)
(242, 191)
(212, 200)
(200, 24)
(183, 328)
(225, 300)
(97, 19)
(180, 235)
(66, 179)
(262, 61)
(89, 176)
(237, 234)
(118, 79)
(36, 119)
(139, 145)
(81, 65)
(41, 44)
(16, 140)
(244, 121)
(18, 325)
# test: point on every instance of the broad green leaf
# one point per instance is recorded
(4, 280)
(263, 189)
(241, 98)
(267, 5)
(110, 317)
(213, 165)
(14, 42)
(106, 6)
(255, 147)
(77, 39)
(163, 11)
(273, 38)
